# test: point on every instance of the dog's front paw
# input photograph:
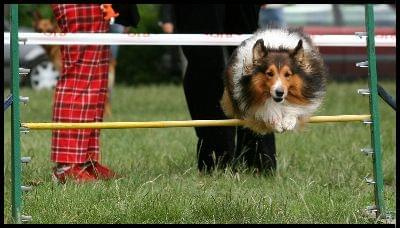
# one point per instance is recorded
(279, 128)
(289, 123)
(276, 124)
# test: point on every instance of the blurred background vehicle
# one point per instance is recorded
(346, 19)
(43, 74)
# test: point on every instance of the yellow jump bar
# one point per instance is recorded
(184, 123)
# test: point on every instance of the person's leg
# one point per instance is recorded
(255, 151)
(78, 94)
(99, 86)
(203, 90)
(203, 84)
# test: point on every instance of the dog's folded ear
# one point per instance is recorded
(259, 51)
(298, 52)
(36, 16)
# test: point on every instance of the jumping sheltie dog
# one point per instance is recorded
(274, 80)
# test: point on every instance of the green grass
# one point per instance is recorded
(319, 178)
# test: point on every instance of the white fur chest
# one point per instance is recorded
(281, 116)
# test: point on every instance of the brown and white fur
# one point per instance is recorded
(44, 25)
(274, 80)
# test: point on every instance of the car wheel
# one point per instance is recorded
(44, 75)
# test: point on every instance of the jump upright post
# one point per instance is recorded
(13, 100)
(16, 160)
(15, 119)
(379, 208)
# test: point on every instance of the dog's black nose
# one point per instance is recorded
(279, 93)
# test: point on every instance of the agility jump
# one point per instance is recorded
(368, 39)
(183, 123)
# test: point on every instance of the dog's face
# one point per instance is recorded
(45, 26)
(275, 74)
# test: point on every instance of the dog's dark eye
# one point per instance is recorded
(287, 74)
(269, 73)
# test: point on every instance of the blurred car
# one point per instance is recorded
(43, 74)
(346, 19)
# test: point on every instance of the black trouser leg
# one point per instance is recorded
(255, 151)
(203, 83)
(203, 88)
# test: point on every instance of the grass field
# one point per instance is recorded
(319, 179)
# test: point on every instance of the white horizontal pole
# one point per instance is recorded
(181, 39)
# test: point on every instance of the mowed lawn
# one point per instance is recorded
(319, 179)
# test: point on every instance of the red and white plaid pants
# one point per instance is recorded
(81, 89)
